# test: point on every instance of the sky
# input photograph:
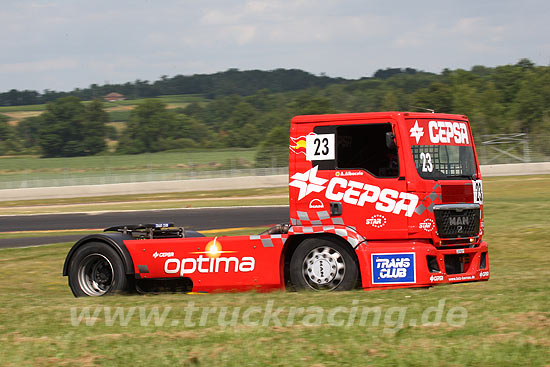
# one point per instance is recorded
(66, 44)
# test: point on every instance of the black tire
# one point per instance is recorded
(96, 269)
(323, 264)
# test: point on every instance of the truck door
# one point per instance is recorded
(359, 181)
(375, 199)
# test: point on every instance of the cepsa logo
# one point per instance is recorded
(393, 268)
(354, 193)
(440, 132)
(436, 278)
(163, 254)
(210, 261)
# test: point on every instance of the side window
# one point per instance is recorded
(364, 147)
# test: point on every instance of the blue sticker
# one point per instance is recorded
(393, 268)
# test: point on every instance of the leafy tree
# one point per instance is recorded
(9, 143)
(247, 106)
(389, 103)
(68, 128)
(437, 96)
(28, 130)
(149, 123)
(493, 113)
(94, 128)
(311, 105)
(60, 134)
(273, 151)
(186, 132)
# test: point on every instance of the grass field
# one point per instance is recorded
(16, 169)
(118, 110)
(507, 321)
(32, 171)
(128, 162)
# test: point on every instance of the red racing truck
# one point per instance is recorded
(377, 200)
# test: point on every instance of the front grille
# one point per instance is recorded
(457, 221)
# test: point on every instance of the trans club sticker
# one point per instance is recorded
(393, 268)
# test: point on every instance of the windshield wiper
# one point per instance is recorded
(469, 177)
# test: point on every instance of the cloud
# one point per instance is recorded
(78, 42)
(42, 66)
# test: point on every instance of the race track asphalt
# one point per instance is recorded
(194, 219)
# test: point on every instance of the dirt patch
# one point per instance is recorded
(176, 105)
(534, 320)
(85, 360)
(119, 108)
(16, 117)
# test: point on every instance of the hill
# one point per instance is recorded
(225, 83)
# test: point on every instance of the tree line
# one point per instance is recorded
(232, 81)
(503, 99)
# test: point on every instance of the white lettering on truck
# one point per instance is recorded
(209, 265)
(387, 200)
(393, 268)
(355, 193)
(447, 132)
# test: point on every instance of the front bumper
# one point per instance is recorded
(400, 264)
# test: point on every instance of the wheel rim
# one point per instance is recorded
(95, 275)
(323, 268)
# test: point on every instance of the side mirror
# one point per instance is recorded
(390, 141)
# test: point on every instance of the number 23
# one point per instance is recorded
(317, 143)
(427, 165)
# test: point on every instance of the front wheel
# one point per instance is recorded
(95, 270)
(322, 264)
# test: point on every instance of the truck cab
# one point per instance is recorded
(408, 186)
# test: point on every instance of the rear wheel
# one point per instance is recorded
(322, 264)
(96, 269)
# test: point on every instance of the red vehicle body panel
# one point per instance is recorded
(238, 263)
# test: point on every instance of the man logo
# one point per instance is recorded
(459, 221)
(316, 204)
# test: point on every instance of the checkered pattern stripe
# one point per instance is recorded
(347, 233)
(270, 240)
(428, 202)
(321, 218)
(141, 269)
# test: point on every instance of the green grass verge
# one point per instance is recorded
(125, 162)
(508, 318)
(172, 99)
(119, 115)
(16, 168)
(26, 108)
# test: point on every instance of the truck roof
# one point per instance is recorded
(372, 115)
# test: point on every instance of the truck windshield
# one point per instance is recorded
(444, 162)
